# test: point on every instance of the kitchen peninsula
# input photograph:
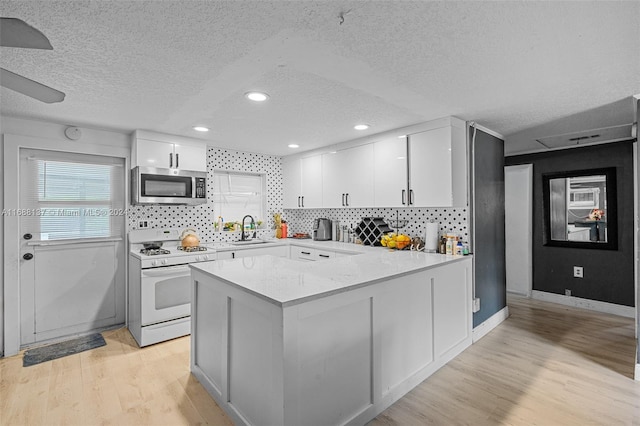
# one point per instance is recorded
(280, 341)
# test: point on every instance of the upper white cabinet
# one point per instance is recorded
(438, 167)
(302, 182)
(390, 172)
(165, 151)
(347, 177)
(427, 168)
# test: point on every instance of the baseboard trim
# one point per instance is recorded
(637, 376)
(578, 302)
(481, 330)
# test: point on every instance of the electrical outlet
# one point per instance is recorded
(567, 292)
(476, 304)
(578, 272)
(143, 224)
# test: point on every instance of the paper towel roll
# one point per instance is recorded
(431, 237)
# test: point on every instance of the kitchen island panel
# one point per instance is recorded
(331, 343)
(403, 329)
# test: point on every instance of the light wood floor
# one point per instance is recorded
(546, 365)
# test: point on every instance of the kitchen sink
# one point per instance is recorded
(247, 242)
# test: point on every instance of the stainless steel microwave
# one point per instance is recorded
(150, 185)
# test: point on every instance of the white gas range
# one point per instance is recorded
(160, 284)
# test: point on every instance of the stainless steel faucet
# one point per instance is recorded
(243, 237)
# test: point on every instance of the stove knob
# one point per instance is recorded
(154, 263)
(206, 257)
(198, 258)
(165, 261)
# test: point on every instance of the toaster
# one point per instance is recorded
(322, 229)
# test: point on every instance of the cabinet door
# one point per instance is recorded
(153, 153)
(292, 184)
(360, 176)
(190, 157)
(390, 172)
(311, 181)
(430, 168)
(347, 177)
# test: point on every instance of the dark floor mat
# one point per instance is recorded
(58, 350)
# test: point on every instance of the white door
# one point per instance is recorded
(154, 153)
(72, 222)
(518, 193)
(190, 157)
(347, 177)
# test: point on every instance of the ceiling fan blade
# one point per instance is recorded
(15, 32)
(29, 87)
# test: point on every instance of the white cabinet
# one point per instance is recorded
(347, 177)
(280, 251)
(164, 151)
(302, 182)
(438, 167)
(291, 183)
(310, 254)
(390, 172)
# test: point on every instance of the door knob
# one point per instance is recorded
(27, 256)
(27, 236)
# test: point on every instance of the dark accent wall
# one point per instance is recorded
(488, 225)
(608, 274)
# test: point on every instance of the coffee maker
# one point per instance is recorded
(322, 229)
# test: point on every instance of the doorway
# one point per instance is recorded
(62, 279)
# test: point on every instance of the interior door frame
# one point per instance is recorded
(12, 146)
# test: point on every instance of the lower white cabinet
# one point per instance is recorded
(280, 251)
(309, 254)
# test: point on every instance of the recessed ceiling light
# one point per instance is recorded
(293, 145)
(201, 129)
(257, 96)
(361, 126)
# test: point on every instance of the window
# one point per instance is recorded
(236, 195)
(76, 197)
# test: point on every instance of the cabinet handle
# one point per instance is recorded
(411, 197)
(170, 160)
(346, 197)
(305, 252)
(343, 200)
(177, 160)
(298, 201)
(404, 193)
(302, 200)
(324, 255)
(233, 255)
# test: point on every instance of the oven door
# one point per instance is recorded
(165, 294)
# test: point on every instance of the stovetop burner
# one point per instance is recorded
(192, 249)
(154, 252)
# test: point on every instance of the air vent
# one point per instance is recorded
(588, 137)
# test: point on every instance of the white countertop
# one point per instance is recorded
(287, 282)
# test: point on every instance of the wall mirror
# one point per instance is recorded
(580, 209)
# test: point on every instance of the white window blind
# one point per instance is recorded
(73, 195)
(238, 194)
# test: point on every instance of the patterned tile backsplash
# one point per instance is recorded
(202, 217)
(452, 220)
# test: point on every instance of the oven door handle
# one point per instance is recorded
(166, 271)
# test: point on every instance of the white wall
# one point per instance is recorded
(518, 228)
(91, 138)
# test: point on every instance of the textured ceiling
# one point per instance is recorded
(169, 65)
